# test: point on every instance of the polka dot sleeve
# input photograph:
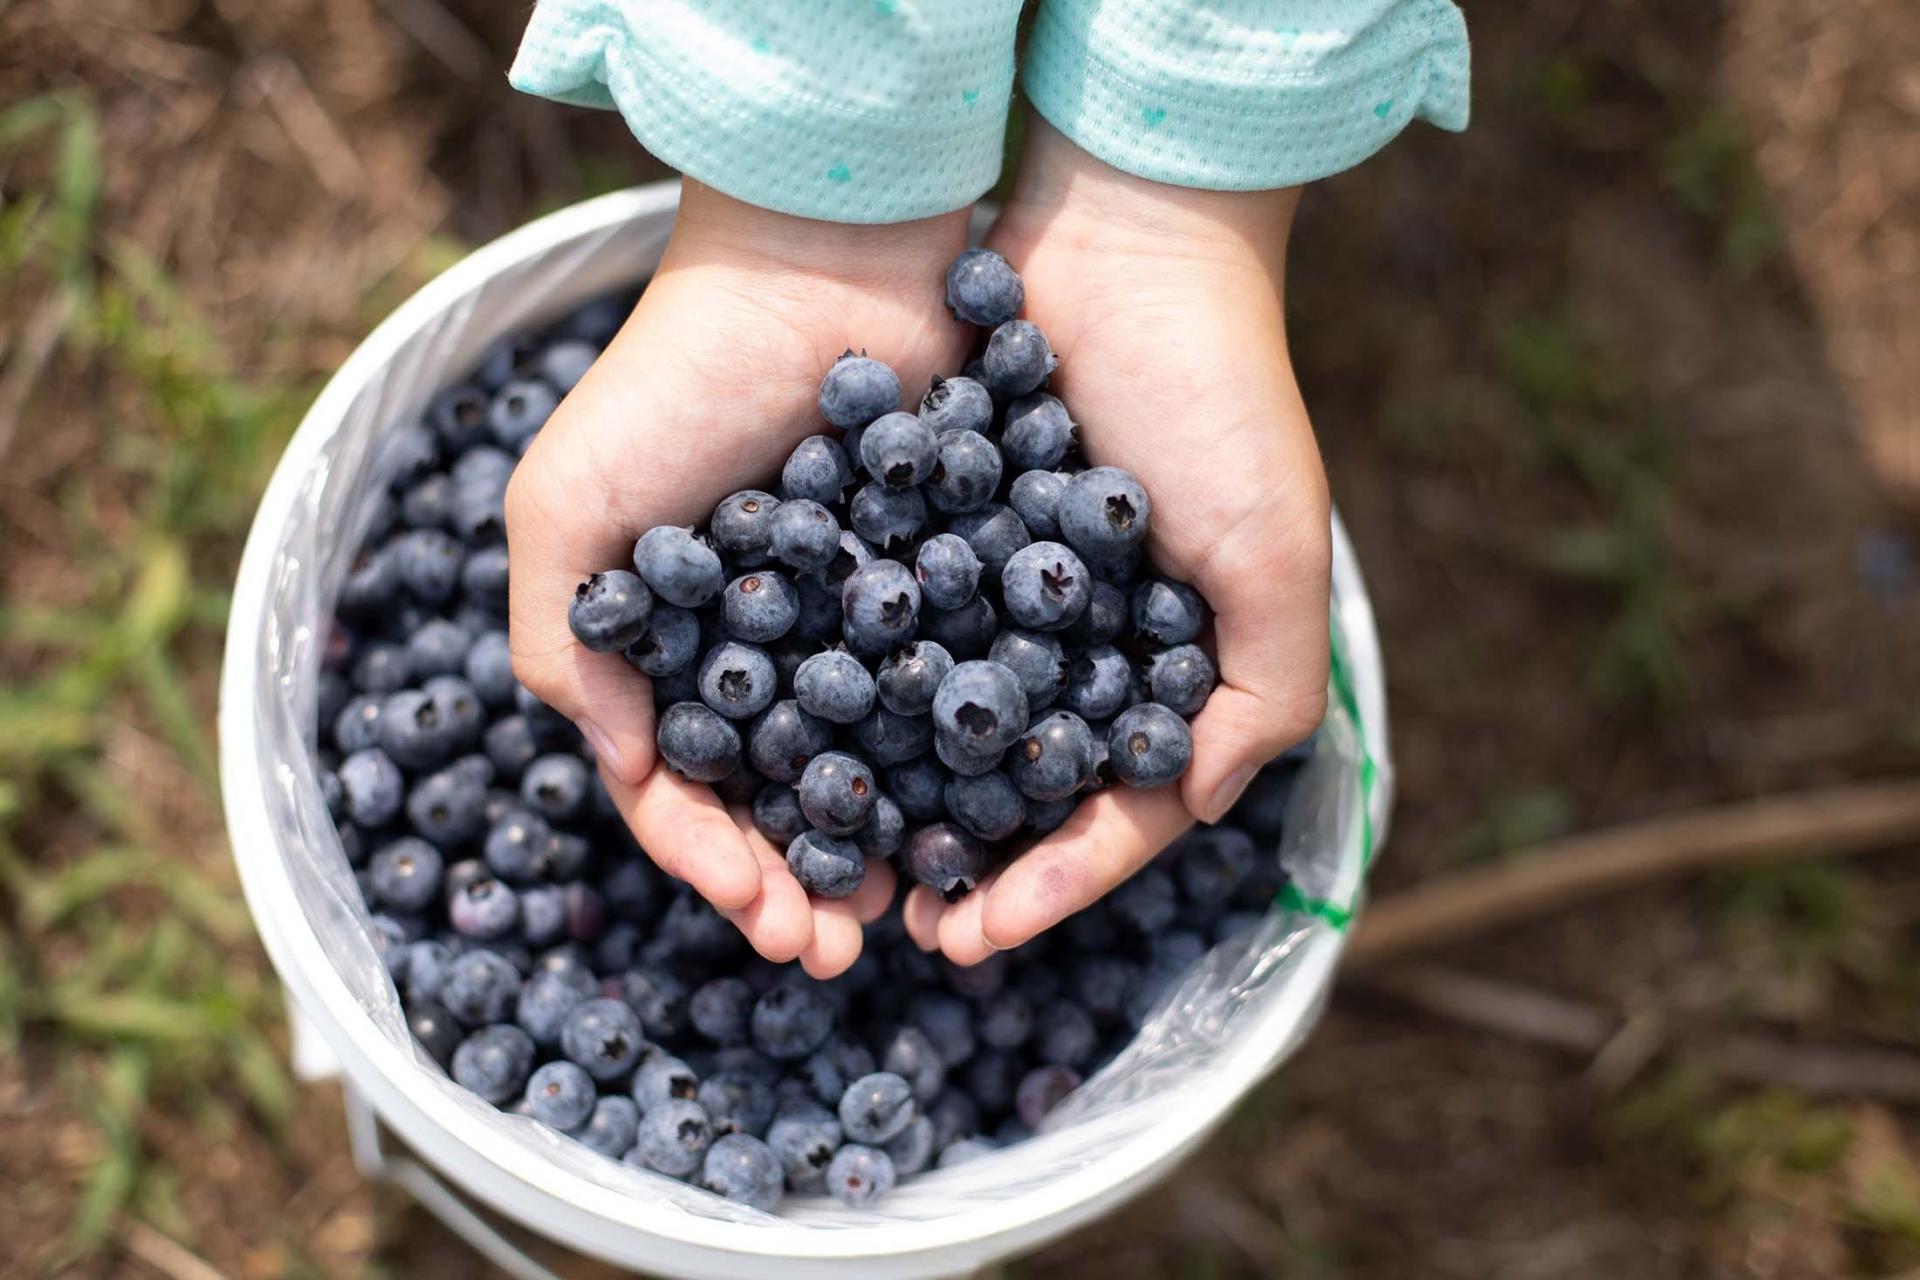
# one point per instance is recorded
(1241, 95)
(844, 110)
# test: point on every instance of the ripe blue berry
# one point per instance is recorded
(610, 610)
(555, 787)
(480, 987)
(662, 1078)
(888, 517)
(803, 535)
(744, 1170)
(673, 1138)
(876, 1107)
(494, 1062)
(981, 706)
(560, 1094)
(890, 739)
(837, 792)
(987, 804)
(1099, 682)
(739, 1099)
(826, 866)
(856, 390)
(881, 601)
(791, 1021)
(760, 606)
(1035, 498)
(546, 1000)
(957, 404)
(966, 474)
(982, 289)
(669, 644)
(612, 1128)
(1180, 679)
(834, 686)
(804, 1139)
(697, 743)
(1017, 359)
(741, 527)
(860, 1176)
(966, 632)
(995, 533)
(1036, 660)
(1166, 612)
(1045, 586)
(406, 875)
(371, 787)
(1104, 514)
(1038, 433)
(602, 1035)
(679, 567)
(780, 744)
(884, 831)
(817, 469)
(909, 677)
(947, 859)
(909, 1054)
(1055, 759)
(918, 786)
(738, 681)
(1148, 745)
(948, 571)
(776, 810)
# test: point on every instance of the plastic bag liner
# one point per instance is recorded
(1242, 1008)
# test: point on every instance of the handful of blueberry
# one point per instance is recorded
(551, 969)
(934, 638)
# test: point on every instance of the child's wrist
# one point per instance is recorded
(714, 228)
(1064, 190)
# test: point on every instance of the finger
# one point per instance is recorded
(875, 894)
(779, 922)
(921, 913)
(1268, 579)
(690, 836)
(963, 938)
(836, 938)
(1109, 837)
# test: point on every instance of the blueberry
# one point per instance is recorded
(1099, 682)
(494, 1062)
(720, 1008)
(518, 411)
(560, 1094)
(853, 554)
(612, 1128)
(737, 680)
(439, 648)
(1102, 983)
(909, 1054)
(599, 319)
(480, 987)
(371, 787)
(899, 450)
(1036, 660)
(957, 404)
(741, 527)
(804, 1139)
(435, 1029)
(738, 1100)
(876, 1107)
(1017, 359)
(953, 1116)
(1104, 513)
(889, 518)
(790, 1022)
(986, 804)
(484, 909)
(884, 831)
(1066, 1034)
(697, 743)
(1045, 586)
(776, 811)
(602, 1035)
(856, 390)
(515, 355)
(760, 606)
(510, 746)
(481, 465)
(1180, 679)
(992, 1077)
(1006, 1020)
(803, 535)
(678, 566)
(834, 686)
(661, 1078)
(673, 1139)
(372, 584)
(483, 580)
(669, 644)
(546, 1000)
(407, 453)
(610, 610)
(480, 510)
(382, 668)
(1149, 745)
(981, 706)
(458, 417)
(947, 859)
(698, 930)
(1145, 903)
(881, 601)
(982, 289)
(1055, 758)
(948, 571)
(834, 1066)
(958, 1153)
(995, 533)
(516, 846)
(837, 792)
(1041, 1090)
(1035, 498)
(909, 677)
(406, 875)
(1038, 433)
(890, 739)
(555, 786)
(489, 669)
(826, 866)
(919, 788)
(965, 760)
(658, 998)
(819, 617)
(966, 475)
(817, 470)
(966, 632)
(448, 808)
(860, 1176)
(427, 962)
(1166, 612)
(780, 744)
(743, 1169)
(563, 364)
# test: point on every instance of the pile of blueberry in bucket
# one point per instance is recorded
(925, 645)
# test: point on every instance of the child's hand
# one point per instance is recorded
(1164, 305)
(705, 392)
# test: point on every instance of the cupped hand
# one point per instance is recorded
(1165, 307)
(704, 392)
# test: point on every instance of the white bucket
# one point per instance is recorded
(1244, 1008)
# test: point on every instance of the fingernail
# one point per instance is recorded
(1228, 792)
(603, 749)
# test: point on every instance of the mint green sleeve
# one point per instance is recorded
(1244, 95)
(844, 110)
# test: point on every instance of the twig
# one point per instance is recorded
(1527, 1013)
(39, 339)
(309, 127)
(167, 1257)
(436, 30)
(1838, 820)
